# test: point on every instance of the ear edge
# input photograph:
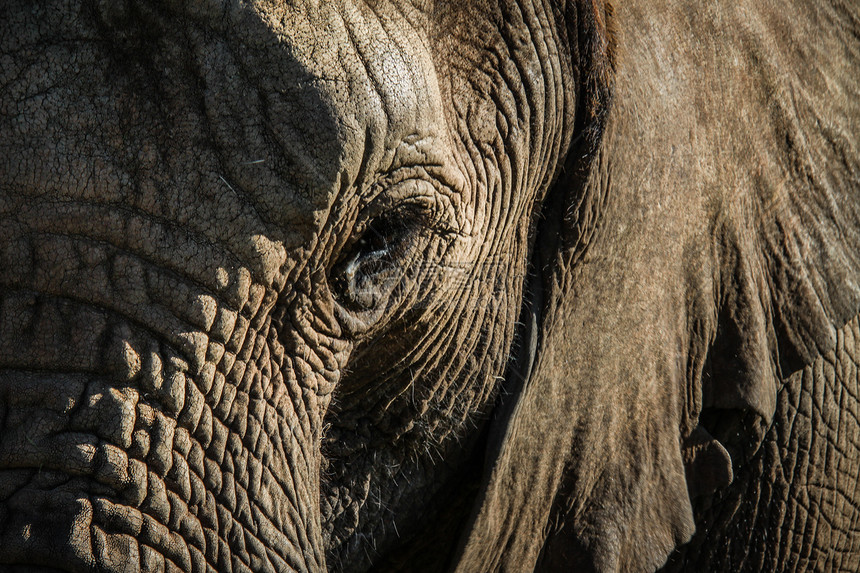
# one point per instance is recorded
(554, 247)
(781, 299)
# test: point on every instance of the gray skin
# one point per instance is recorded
(424, 286)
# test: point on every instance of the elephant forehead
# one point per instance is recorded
(372, 79)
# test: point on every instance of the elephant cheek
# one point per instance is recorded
(167, 464)
(166, 426)
(162, 382)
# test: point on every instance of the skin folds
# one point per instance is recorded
(428, 286)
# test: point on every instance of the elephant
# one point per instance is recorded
(429, 285)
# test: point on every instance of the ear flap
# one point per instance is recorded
(533, 432)
(587, 473)
(812, 245)
(788, 251)
(619, 422)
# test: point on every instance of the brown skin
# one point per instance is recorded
(262, 266)
(706, 330)
(408, 286)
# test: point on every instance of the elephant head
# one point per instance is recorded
(296, 285)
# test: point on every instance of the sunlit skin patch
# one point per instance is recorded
(268, 267)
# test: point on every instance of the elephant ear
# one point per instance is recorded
(650, 351)
(789, 247)
(533, 431)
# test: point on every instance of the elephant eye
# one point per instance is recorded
(382, 238)
(371, 267)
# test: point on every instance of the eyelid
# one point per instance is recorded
(425, 196)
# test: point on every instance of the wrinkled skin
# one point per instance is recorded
(418, 286)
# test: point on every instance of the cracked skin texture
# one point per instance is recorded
(412, 286)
